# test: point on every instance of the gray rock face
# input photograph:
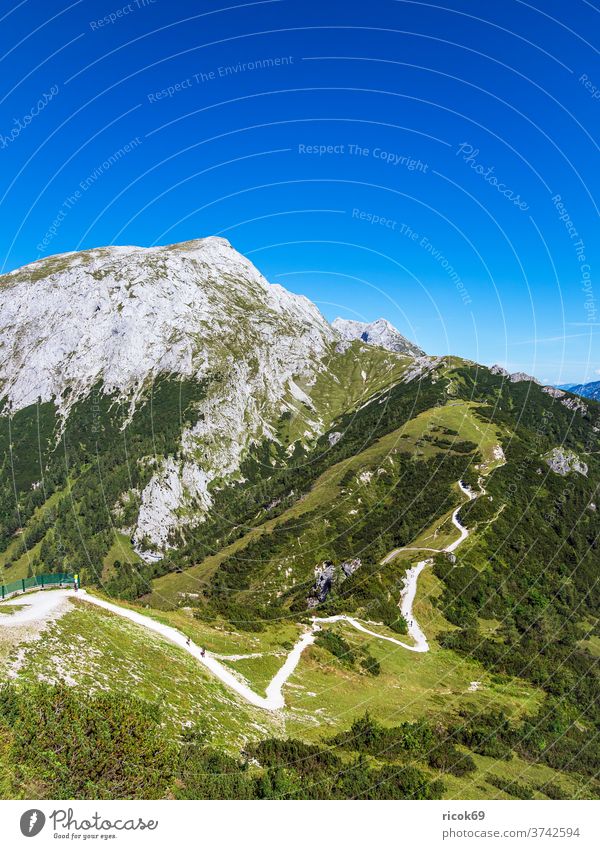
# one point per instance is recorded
(520, 377)
(380, 333)
(123, 317)
(324, 575)
(570, 402)
(553, 392)
(349, 567)
(574, 404)
(515, 377)
(562, 461)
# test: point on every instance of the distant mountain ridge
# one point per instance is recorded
(586, 390)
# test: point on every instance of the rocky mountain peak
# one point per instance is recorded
(379, 332)
(118, 318)
(122, 316)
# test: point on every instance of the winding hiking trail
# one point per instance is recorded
(41, 606)
(410, 582)
(464, 533)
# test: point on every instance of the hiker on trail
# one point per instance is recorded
(187, 642)
(203, 652)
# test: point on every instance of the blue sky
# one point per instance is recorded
(433, 163)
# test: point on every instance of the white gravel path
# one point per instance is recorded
(464, 533)
(274, 699)
(38, 606)
(41, 606)
(407, 596)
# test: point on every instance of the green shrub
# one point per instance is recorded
(512, 788)
(336, 645)
(371, 665)
(447, 758)
(63, 745)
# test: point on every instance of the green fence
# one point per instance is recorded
(50, 580)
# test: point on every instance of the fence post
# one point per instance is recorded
(23, 583)
(42, 577)
(2, 590)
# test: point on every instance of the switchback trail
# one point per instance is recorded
(39, 606)
(412, 575)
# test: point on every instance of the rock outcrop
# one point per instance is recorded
(562, 461)
(327, 576)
